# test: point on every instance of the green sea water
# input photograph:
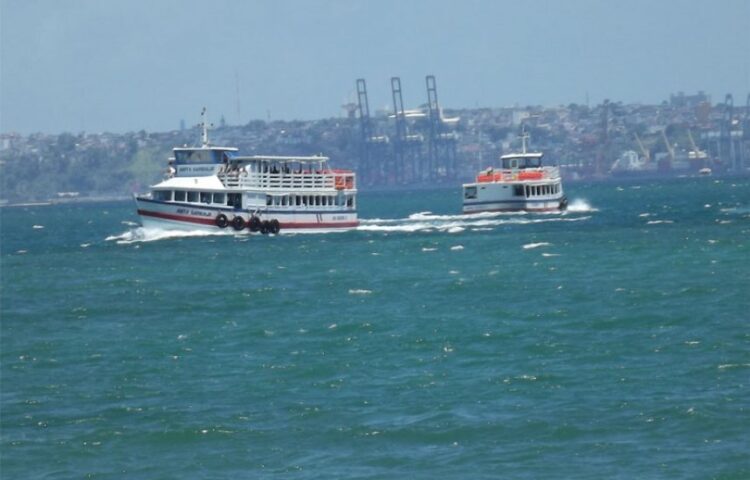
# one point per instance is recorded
(611, 341)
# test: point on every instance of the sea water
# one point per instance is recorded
(609, 341)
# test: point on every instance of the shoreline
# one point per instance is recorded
(413, 187)
(59, 201)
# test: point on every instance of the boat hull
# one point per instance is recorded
(183, 216)
(503, 197)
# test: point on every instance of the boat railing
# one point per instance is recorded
(340, 180)
(509, 175)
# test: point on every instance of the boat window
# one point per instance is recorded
(192, 196)
(317, 200)
(350, 202)
(234, 200)
(219, 198)
(179, 196)
(205, 197)
(269, 200)
(162, 195)
(192, 157)
(470, 192)
(518, 190)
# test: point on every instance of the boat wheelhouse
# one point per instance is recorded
(520, 183)
(210, 187)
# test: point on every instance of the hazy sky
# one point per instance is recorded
(125, 65)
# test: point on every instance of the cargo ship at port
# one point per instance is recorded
(520, 183)
(215, 188)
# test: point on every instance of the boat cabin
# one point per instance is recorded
(521, 161)
(202, 156)
(196, 162)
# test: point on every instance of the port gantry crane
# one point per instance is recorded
(646, 153)
(670, 148)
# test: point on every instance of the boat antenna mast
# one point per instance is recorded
(204, 127)
(524, 138)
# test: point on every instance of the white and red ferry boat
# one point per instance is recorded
(210, 187)
(520, 183)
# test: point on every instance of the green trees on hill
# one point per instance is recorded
(39, 168)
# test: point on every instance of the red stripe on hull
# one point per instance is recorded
(212, 221)
(181, 218)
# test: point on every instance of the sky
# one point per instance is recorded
(127, 65)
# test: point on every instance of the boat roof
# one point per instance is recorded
(280, 158)
(194, 149)
(522, 155)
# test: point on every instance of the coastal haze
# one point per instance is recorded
(138, 65)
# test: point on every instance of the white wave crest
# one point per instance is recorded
(536, 245)
(426, 222)
(579, 205)
(141, 234)
(359, 291)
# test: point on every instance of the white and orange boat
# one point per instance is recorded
(210, 187)
(520, 183)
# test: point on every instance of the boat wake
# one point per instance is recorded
(416, 222)
(430, 222)
(579, 205)
(142, 235)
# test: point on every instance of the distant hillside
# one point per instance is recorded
(39, 167)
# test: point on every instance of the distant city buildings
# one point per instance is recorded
(406, 146)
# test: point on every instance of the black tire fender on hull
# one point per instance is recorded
(254, 224)
(238, 223)
(264, 227)
(274, 226)
(564, 203)
(222, 221)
